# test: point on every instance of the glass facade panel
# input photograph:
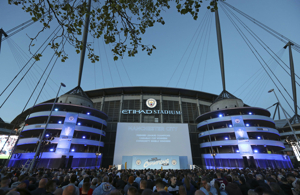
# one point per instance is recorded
(171, 105)
(130, 105)
(112, 109)
(97, 105)
(189, 112)
(204, 109)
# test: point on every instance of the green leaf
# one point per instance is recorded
(115, 58)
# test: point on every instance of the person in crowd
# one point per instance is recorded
(150, 182)
(295, 173)
(251, 192)
(70, 190)
(206, 189)
(130, 183)
(261, 182)
(5, 184)
(285, 186)
(104, 188)
(147, 192)
(50, 187)
(15, 184)
(65, 182)
(160, 187)
(138, 178)
(296, 190)
(115, 192)
(86, 178)
(180, 179)
(260, 190)
(292, 179)
(173, 188)
(190, 189)
(166, 178)
(221, 180)
(58, 191)
(32, 184)
(73, 179)
(279, 179)
(182, 190)
(86, 189)
(41, 188)
(271, 180)
(220, 190)
(232, 188)
(23, 185)
(243, 186)
(132, 191)
(143, 186)
(276, 188)
(94, 183)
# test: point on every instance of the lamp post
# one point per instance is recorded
(272, 90)
(98, 151)
(212, 153)
(44, 131)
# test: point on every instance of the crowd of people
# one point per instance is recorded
(150, 182)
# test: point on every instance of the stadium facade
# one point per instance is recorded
(99, 111)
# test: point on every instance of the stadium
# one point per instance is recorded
(152, 126)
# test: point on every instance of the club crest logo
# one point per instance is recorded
(138, 162)
(237, 121)
(151, 103)
(106, 187)
(174, 162)
(71, 118)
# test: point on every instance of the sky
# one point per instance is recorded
(186, 57)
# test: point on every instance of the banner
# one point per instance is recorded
(65, 140)
(241, 135)
(155, 162)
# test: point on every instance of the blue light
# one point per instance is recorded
(258, 137)
(59, 122)
(247, 125)
(47, 135)
(255, 151)
(220, 115)
(88, 113)
(84, 144)
(73, 150)
(56, 109)
(226, 138)
(51, 150)
(78, 123)
(230, 125)
(83, 137)
(250, 113)
(237, 151)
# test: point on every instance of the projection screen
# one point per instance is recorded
(152, 139)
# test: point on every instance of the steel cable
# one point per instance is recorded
(244, 38)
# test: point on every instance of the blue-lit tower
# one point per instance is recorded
(233, 135)
(73, 135)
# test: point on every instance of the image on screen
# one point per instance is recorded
(152, 139)
(5, 153)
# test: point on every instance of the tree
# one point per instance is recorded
(119, 22)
